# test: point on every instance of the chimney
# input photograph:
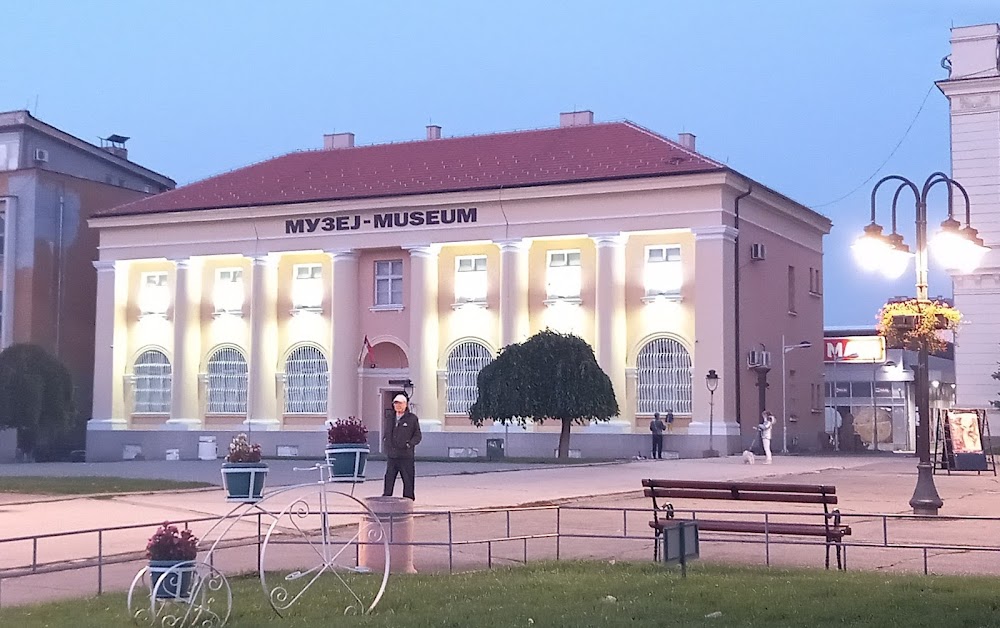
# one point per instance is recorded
(338, 140)
(974, 51)
(576, 118)
(433, 132)
(686, 140)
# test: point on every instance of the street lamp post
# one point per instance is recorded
(805, 344)
(960, 249)
(711, 382)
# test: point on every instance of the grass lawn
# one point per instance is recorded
(601, 594)
(83, 485)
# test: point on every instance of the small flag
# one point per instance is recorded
(366, 352)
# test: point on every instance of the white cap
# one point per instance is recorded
(399, 397)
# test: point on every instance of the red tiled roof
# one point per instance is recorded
(617, 150)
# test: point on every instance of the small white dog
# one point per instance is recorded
(748, 457)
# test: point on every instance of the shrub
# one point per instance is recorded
(348, 430)
(169, 543)
(241, 450)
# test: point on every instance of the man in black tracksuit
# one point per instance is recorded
(400, 438)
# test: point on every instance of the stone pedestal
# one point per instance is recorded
(396, 515)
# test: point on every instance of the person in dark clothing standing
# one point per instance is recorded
(656, 426)
(400, 439)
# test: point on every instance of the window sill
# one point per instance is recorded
(662, 298)
(148, 316)
(792, 313)
(471, 304)
(815, 294)
(386, 308)
(224, 313)
(568, 300)
(307, 309)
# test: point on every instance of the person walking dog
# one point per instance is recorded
(766, 423)
(400, 439)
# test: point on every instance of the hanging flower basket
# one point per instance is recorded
(907, 324)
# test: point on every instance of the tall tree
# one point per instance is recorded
(36, 396)
(548, 376)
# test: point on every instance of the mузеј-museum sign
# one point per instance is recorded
(385, 220)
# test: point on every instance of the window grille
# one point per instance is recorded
(464, 363)
(306, 380)
(389, 282)
(227, 382)
(151, 382)
(663, 370)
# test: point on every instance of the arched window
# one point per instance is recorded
(663, 372)
(464, 363)
(306, 379)
(227, 382)
(151, 382)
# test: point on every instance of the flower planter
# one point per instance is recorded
(171, 579)
(244, 481)
(347, 461)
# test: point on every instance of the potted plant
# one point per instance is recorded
(243, 473)
(171, 553)
(347, 450)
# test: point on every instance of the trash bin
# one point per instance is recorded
(494, 449)
(396, 515)
(207, 449)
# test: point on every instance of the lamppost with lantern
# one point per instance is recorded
(805, 344)
(711, 382)
(957, 248)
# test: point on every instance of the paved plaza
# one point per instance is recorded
(866, 485)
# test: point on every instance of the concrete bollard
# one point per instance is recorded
(396, 515)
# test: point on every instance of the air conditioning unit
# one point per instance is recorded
(757, 251)
(41, 155)
(757, 358)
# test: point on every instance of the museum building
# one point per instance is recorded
(317, 285)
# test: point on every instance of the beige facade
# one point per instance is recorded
(255, 311)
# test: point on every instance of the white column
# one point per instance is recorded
(261, 403)
(513, 290)
(346, 341)
(609, 319)
(109, 348)
(423, 305)
(184, 412)
(9, 253)
(715, 324)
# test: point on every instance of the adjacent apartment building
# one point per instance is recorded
(51, 183)
(973, 92)
(317, 285)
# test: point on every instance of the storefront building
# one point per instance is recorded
(864, 379)
(319, 284)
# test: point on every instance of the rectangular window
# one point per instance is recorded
(791, 290)
(307, 287)
(815, 286)
(663, 271)
(8, 154)
(154, 297)
(470, 278)
(229, 290)
(563, 279)
(3, 231)
(389, 283)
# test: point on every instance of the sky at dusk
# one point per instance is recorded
(809, 98)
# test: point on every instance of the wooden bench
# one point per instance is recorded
(662, 491)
